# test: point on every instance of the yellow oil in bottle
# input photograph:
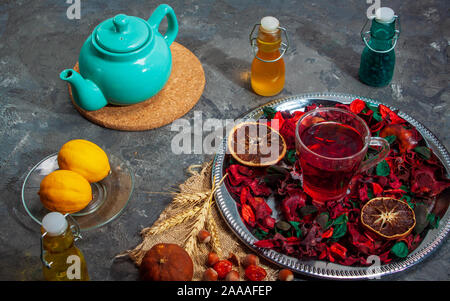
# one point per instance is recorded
(267, 78)
(66, 261)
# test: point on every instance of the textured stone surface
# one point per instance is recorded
(37, 41)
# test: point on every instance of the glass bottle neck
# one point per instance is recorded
(381, 35)
(60, 243)
(268, 41)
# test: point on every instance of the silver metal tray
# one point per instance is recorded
(316, 268)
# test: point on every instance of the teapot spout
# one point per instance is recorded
(85, 92)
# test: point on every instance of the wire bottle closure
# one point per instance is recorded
(364, 35)
(283, 47)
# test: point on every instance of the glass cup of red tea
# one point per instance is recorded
(331, 145)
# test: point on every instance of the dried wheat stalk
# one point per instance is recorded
(191, 241)
(204, 216)
(215, 242)
(190, 198)
(171, 222)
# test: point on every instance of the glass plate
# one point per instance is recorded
(110, 196)
(317, 268)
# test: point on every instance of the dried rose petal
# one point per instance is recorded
(357, 106)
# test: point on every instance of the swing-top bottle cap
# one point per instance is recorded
(54, 223)
(270, 24)
(384, 15)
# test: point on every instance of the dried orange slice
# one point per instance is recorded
(256, 144)
(388, 217)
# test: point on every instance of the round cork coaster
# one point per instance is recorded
(181, 92)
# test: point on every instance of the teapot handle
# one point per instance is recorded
(172, 24)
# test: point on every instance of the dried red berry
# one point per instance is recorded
(223, 267)
(255, 273)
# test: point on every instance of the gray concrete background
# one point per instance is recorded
(37, 41)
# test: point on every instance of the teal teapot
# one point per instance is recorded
(124, 61)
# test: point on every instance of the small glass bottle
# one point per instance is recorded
(268, 70)
(61, 259)
(378, 57)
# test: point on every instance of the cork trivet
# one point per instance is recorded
(181, 92)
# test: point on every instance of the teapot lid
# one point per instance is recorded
(122, 34)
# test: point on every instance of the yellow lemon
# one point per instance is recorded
(85, 158)
(65, 191)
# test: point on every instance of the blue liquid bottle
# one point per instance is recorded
(378, 57)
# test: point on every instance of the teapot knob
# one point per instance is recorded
(121, 23)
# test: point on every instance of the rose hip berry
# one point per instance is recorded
(255, 273)
(223, 267)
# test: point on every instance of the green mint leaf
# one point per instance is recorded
(433, 220)
(372, 107)
(260, 234)
(407, 199)
(405, 188)
(290, 156)
(377, 116)
(370, 194)
(423, 151)
(298, 231)
(400, 249)
(269, 112)
(383, 169)
(391, 139)
(339, 231)
(342, 219)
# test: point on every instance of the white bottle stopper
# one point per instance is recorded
(384, 15)
(270, 24)
(54, 223)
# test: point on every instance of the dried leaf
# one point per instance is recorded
(400, 249)
(383, 169)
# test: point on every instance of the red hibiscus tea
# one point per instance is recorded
(331, 144)
(332, 140)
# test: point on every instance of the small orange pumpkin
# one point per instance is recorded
(166, 262)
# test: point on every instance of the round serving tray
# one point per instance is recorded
(316, 268)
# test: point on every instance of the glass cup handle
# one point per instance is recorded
(385, 148)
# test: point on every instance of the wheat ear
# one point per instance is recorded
(199, 224)
(190, 198)
(171, 222)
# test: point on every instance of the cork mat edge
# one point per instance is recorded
(97, 117)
